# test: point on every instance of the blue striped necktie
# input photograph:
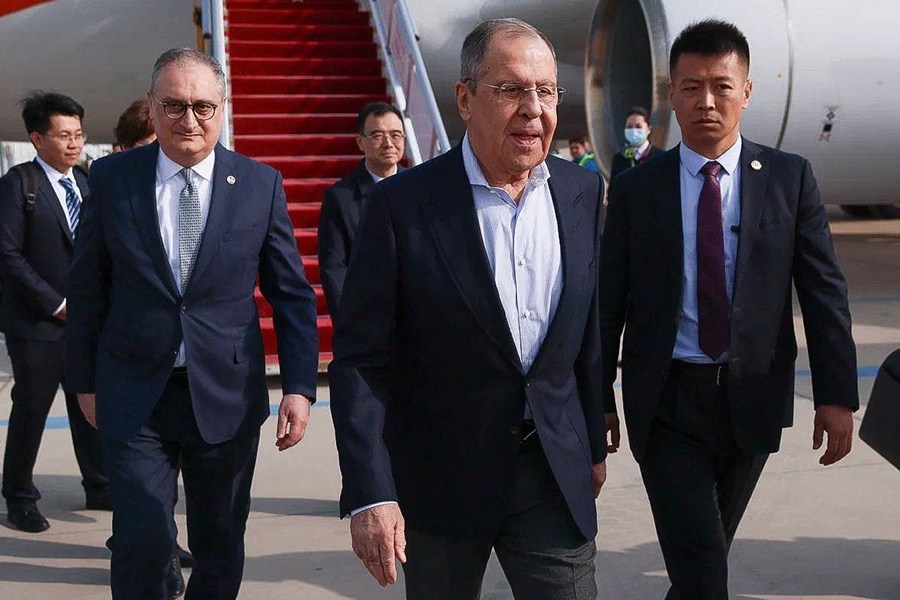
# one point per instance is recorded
(72, 203)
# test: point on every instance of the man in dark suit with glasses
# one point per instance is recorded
(380, 136)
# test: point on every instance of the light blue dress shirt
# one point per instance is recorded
(687, 344)
(522, 245)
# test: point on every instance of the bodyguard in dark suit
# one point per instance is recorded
(36, 242)
(699, 254)
(380, 136)
(169, 354)
(465, 388)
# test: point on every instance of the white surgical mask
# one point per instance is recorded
(636, 136)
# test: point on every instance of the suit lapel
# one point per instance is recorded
(46, 194)
(566, 198)
(666, 201)
(450, 214)
(753, 189)
(142, 188)
(219, 211)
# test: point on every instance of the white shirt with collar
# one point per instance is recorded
(54, 176)
(169, 184)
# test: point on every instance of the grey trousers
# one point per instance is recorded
(541, 550)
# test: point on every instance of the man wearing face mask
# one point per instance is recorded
(638, 148)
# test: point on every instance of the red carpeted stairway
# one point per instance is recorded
(300, 71)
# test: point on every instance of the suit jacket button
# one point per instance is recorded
(515, 430)
(184, 310)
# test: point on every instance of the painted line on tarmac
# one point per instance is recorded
(62, 422)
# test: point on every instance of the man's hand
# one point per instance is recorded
(837, 422)
(612, 428)
(378, 535)
(88, 404)
(293, 417)
(598, 477)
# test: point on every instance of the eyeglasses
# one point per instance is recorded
(548, 95)
(65, 137)
(203, 111)
(378, 137)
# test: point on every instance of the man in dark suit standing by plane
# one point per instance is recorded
(380, 136)
(164, 332)
(699, 253)
(466, 381)
(37, 234)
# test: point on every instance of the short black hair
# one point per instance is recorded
(377, 109)
(711, 37)
(580, 139)
(639, 111)
(38, 106)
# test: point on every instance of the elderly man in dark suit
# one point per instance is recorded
(700, 251)
(380, 136)
(40, 205)
(466, 382)
(165, 338)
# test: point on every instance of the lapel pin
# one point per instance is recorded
(756, 165)
(230, 179)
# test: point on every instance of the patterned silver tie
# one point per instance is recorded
(189, 226)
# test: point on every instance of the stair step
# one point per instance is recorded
(323, 323)
(293, 123)
(306, 66)
(305, 214)
(309, 49)
(306, 241)
(311, 166)
(296, 145)
(311, 268)
(265, 309)
(303, 103)
(299, 15)
(295, 32)
(320, 4)
(306, 191)
(296, 84)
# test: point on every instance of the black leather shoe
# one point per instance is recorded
(185, 558)
(174, 580)
(98, 502)
(28, 519)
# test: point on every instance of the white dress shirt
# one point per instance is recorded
(169, 184)
(522, 245)
(54, 176)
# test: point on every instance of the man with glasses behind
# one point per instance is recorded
(465, 389)
(40, 205)
(164, 332)
(379, 134)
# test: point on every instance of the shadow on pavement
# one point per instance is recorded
(307, 507)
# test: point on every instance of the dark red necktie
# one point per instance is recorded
(712, 298)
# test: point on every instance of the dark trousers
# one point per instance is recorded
(217, 480)
(699, 484)
(38, 368)
(541, 550)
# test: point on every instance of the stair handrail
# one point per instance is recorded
(213, 23)
(412, 91)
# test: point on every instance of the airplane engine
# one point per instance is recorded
(826, 78)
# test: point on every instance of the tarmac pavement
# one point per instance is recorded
(810, 532)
